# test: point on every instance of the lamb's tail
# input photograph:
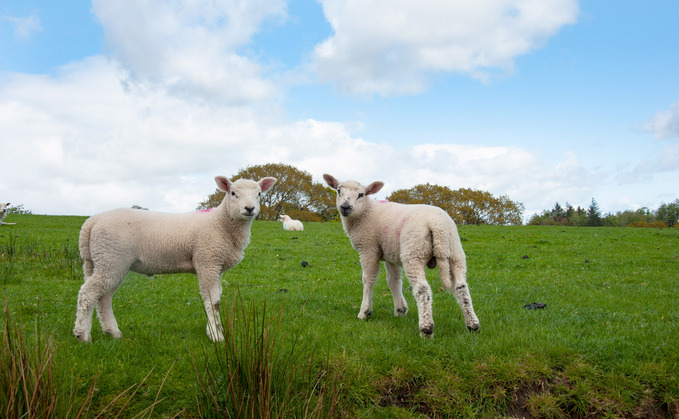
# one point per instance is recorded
(447, 254)
(84, 245)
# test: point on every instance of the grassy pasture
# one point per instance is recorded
(607, 344)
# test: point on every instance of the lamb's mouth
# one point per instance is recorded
(248, 213)
(345, 211)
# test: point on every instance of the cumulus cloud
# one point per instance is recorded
(176, 103)
(24, 27)
(391, 46)
(190, 48)
(81, 141)
(665, 124)
(74, 135)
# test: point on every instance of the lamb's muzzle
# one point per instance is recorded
(346, 209)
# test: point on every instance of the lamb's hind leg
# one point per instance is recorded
(422, 291)
(396, 286)
(458, 270)
(91, 292)
(210, 284)
(109, 325)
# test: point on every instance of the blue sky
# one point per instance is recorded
(110, 104)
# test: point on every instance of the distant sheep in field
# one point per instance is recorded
(408, 236)
(289, 224)
(4, 210)
(203, 242)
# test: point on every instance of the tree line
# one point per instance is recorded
(297, 195)
(667, 215)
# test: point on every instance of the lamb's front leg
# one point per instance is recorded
(396, 287)
(371, 267)
(210, 284)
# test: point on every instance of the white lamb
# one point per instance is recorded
(203, 242)
(408, 236)
(289, 224)
(4, 210)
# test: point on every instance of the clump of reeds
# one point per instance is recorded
(30, 386)
(255, 374)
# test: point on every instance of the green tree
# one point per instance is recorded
(440, 196)
(465, 206)
(594, 215)
(294, 194)
(542, 219)
(668, 213)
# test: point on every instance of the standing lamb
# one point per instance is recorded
(408, 236)
(4, 210)
(289, 224)
(203, 242)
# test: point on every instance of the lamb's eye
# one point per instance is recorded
(233, 194)
(360, 195)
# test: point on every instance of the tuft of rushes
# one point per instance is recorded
(255, 374)
(30, 383)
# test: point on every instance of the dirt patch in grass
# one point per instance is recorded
(394, 391)
(559, 398)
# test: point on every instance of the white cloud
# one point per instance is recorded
(25, 27)
(665, 124)
(82, 141)
(391, 46)
(82, 131)
(190, 48)
(177, 104)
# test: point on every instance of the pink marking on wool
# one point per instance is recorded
(400, 227)
(205, 210)
(397, 230)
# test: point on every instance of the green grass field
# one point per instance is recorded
(607, 343)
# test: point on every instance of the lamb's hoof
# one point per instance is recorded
(215, 337)
(401, 311)
(427, 332)
(117, 334)
(83, 337)
(474, 328)
(364, 315)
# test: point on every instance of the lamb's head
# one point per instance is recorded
(284, 218)
(242, 196)
(352, 197)
(3, 209)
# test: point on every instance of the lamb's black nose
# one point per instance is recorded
(250, 210)
(345, 209)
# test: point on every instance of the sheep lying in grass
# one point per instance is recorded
(408, 236)
(203, 242)
(3, 212)
(289, 224)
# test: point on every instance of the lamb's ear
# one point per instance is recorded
(223, 184)
(374, 188)
(331, 181)
(266, 183)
